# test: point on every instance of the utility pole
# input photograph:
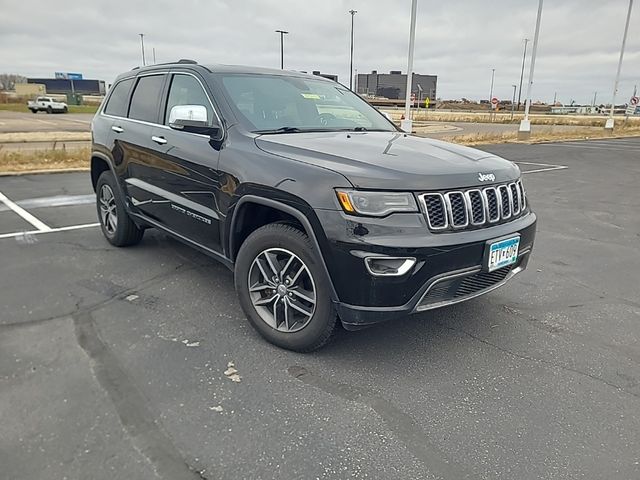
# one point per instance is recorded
(282, 34)
(142, 45)
(154, 55)
(513, 100)
(352, 12)
(493, 74)
(595, 95)
(609, 123)
(525, 124)
(555, 97)
(524, 56)
(407, 124)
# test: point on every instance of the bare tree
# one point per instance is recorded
(8, 81)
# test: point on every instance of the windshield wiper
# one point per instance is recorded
(279, 130)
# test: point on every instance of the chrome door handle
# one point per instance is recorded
(117, 129)
(160, 140)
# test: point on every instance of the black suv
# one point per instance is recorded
(319, 204)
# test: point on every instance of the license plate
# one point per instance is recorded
(502, 253)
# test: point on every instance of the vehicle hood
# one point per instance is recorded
(391, 160)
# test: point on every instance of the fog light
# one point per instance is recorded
(389, 266)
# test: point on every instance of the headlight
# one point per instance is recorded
(376, 204)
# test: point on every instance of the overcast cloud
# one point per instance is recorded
(458, 40)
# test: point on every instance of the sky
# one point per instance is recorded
(461, 41)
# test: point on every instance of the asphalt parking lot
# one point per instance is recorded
(11, 122)
(112, 360)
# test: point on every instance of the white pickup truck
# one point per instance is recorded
(46, 104)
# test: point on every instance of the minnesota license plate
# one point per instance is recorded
(502, 253)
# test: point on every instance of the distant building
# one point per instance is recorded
(393, 84)
(64, 86)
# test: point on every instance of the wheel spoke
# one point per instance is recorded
(271, 264)
(265, 301)
(295, 278)
(113, 222)
(275, 314)
(267, 278)
(257, 287)
(286, 313)
(283, 272)
(304, 296)
(300, 308)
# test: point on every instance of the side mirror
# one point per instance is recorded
(193, 119)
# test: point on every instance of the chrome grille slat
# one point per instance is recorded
(474, 207)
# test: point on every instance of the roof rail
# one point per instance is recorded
(182, 61)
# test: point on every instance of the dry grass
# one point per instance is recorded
(536, 137)
(505, 117)
(22, 107)
(26, 137)
(28, 161)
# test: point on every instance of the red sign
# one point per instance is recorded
(494, 101)
(413, 97)
(634, 100)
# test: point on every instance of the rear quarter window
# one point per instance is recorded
(146, 98)
(117, 103)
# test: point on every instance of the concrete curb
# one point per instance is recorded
(39, 172)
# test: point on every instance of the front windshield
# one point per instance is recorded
(268, 103)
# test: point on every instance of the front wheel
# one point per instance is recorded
(49, 109)
(283, 289)
(34, 110)
(65, 110)
(116, 225)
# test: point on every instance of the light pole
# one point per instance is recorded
(154, 55)
(513, 100)
(282, 34)
(142, 45)
(493, 74)
(595, 95)
(524, 57)
(407, 124)
(609, 123)
(352, 12)
(525, 124)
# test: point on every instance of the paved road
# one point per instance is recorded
(41, 122)
(112, 360)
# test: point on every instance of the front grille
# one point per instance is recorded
(473, 208)
(464, 286)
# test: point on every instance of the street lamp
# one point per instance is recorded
(525, 124)
(513, 100)
(407, 124)
(352, 12)
(609, 123)
(142, 45)
(282, 34)
(524, 56)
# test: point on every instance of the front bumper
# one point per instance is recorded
(448, 269)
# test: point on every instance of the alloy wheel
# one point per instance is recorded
(108, 213)
(282, 290)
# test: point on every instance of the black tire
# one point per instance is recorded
(49, 109)
(120, 230)
(316, 330)
(65, 110)
(34, 110)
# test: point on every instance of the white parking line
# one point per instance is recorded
(41, 226)
(51, 230)
(548, 167)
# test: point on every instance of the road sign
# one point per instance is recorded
(494, 101)
(413, 97)
(634, 101)
(631, 110)
(68, 76)
(427, 101)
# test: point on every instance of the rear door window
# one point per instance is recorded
(146, 98)
(118, 101)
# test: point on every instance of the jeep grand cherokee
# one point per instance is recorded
(323, 209)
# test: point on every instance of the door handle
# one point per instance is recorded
(117, 129)
(160, 140)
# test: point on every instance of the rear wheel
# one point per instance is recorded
(283, 289)
(49, 109)
(116, 225)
